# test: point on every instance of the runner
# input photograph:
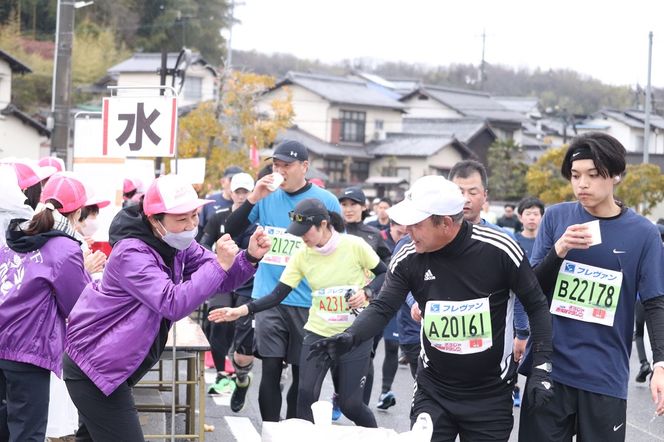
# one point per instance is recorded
(240, 335)
(278, 334)
(592, 284)
(335, 264)
(461, 276)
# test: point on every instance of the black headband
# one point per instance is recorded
(581, 153)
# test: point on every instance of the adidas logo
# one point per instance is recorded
(428, 276)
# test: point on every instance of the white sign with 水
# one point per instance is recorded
(139, 126)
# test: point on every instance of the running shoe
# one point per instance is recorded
(386, 400)
(336, 410)
(644, 371)
(239, 396)
(224, 386)
(516, 396)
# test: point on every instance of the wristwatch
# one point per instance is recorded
(368, 291)
(545, 366)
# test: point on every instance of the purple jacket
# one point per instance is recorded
(116, 320)
(38, 289)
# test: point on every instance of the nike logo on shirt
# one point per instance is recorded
(619, 251)
(617, 427)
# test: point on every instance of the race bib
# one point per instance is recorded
(331, 306)
(461, 327)
(284, 245)
(586, 293)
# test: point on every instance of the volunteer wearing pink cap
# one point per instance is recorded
(156, 274)
(41, 277)
(55, 162)
(30, 176)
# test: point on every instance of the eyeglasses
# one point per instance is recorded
(299, 218)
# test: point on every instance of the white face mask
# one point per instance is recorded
(90, 226)
(180, 241)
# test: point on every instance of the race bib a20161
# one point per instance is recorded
(461, 327)
(586, 293)
(330, 304)
(284, 246)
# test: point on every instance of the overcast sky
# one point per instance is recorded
(607, 40)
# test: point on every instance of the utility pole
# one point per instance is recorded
(646, 129)
(61, 94)
(482, 63)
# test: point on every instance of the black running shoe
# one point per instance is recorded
(239, 396)
(644, 371)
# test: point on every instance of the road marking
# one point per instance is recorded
(655, 436)
(242, 428)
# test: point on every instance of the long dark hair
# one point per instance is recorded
(33, 194)
(43, 221)
(336, 221)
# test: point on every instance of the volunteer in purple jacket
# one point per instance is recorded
(156, 274)
(41, 277)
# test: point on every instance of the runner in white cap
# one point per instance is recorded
(461, 276)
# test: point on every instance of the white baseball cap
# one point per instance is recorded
(429, 195)
(242, 181)
(171, 194)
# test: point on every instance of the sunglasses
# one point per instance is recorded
(299, 218)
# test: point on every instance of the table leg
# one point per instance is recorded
(192, 375)
(201, 395)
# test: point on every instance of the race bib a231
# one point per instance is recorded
(460, 327)
(586, 293)
(284, 246)
(330, 304)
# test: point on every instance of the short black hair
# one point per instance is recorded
(385, 200)
(465, 168)
(607, 153)
(510, 205)
(528, 202)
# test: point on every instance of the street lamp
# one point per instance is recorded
(61, 92)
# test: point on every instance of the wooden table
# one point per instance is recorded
(190, 345)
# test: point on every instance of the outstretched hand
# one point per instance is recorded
(227, 314)
(330, 349)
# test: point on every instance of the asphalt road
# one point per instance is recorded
(246, 425)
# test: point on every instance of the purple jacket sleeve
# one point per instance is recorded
(69, 280)
(145, 277)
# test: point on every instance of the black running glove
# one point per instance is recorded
(330, 349)
(539, 387)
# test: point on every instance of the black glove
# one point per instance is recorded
(539, 387)
(330, 349)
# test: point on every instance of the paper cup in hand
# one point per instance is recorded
(593, 228)
(277, 180)
(322, 411)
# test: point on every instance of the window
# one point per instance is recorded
(335, 170)
(379, 124)
(359, 171)
(352, 126)
(193, 88)
(401, 172)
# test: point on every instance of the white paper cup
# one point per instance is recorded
(278, 179)
(593, 228)
(322, 411)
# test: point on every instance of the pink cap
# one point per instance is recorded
(131, 184)
(171, 194)
(96, 201)
(67, 189)
(29, 173)
(53, 162)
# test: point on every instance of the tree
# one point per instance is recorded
(223, 133)
(545, 181)
(507, 169)
(642, 186)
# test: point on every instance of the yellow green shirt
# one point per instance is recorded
(330, 277)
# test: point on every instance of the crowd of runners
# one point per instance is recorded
(299, 277)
